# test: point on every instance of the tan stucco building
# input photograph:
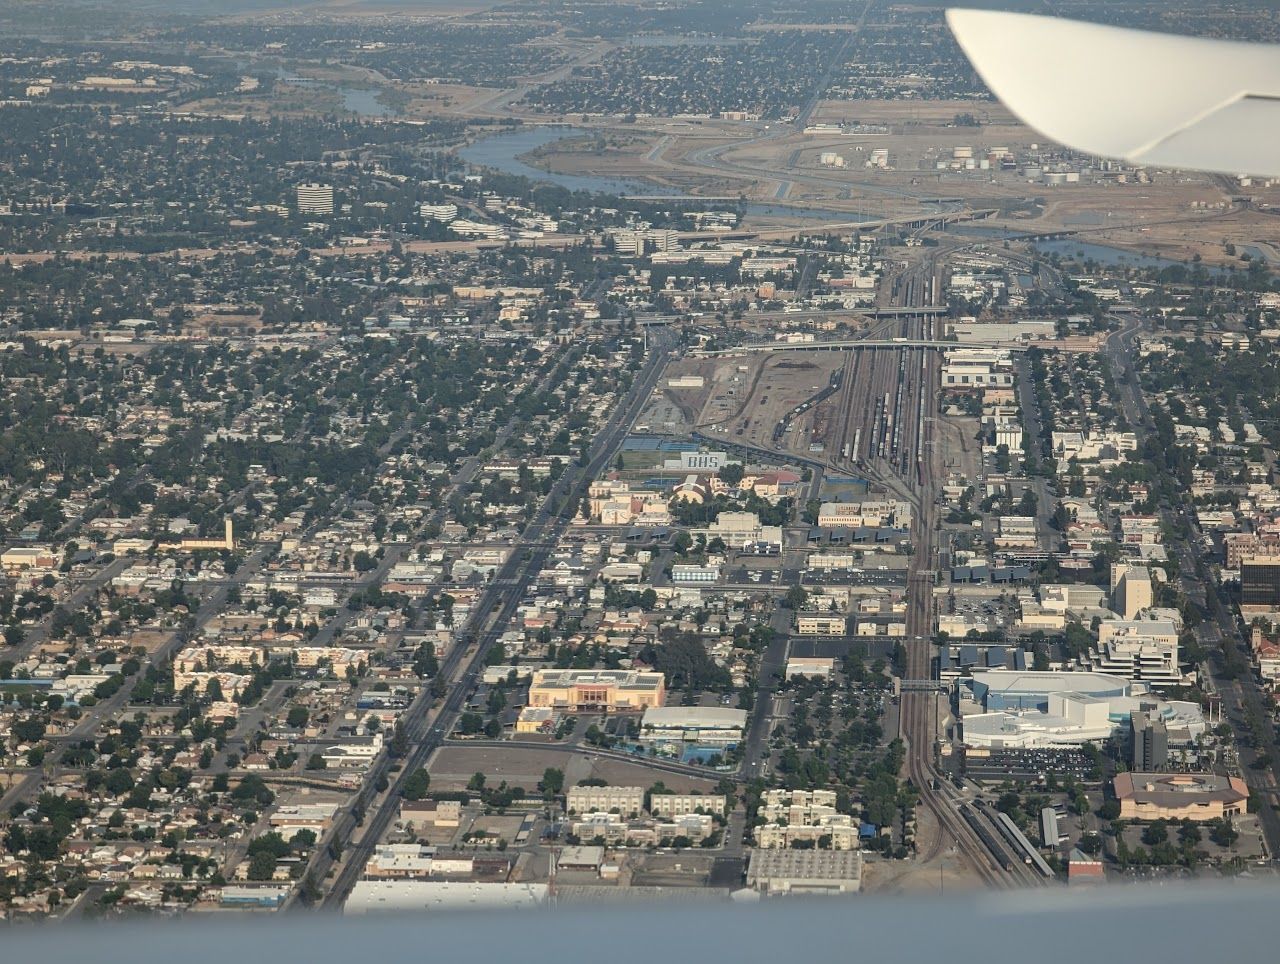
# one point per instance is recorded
(1179, 796)
(583, 690)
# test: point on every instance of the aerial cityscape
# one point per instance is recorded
(524, 454)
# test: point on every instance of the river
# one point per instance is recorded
(1106, 255)
(359, 100)
(502, 152)
(1074, 248)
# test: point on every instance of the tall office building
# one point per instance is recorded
(315, 198)
(1260, 581)
(1150, 741)
(1131, 589)
(438, 212)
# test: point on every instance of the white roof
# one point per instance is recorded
(581, 856)
(384, 896)
(1005, 680)
(1150, 98)
(694, 716)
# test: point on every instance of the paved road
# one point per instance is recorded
(652, 763)
(773, 661)
(463, 665)
(1220, 631)
(1033, 427)
(109, 709)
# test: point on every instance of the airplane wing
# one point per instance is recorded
(1149, 98)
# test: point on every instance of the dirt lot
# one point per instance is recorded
(963, 452)
(933, 112)
(948, 872)
(674, 411)
(747, 405)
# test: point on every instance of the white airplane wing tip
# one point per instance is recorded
(1149, 98)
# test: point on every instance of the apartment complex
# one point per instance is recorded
(800, 818)
(683, 804)
(627, 801)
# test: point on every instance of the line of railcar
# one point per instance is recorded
(983, 831)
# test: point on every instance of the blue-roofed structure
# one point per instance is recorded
(1001, 690)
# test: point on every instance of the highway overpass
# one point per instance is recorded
(854, 344)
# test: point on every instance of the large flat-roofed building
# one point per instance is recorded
(1135, 657)
(687, 575)
(597, 689)
(291, 818)
(537, 719)
(430, 813)
(821, 624)
(812, 667)
(438, 212)
(977, 368)
(702, 725)
(1016, 532)
(1179, 796)
(1071, 719)
(872, 514)
(259, 895)
(1137, 649)
(399, 861)
(580, 858)
(28, 557)
(740, 530)
(1002, 689)
(386, 896)
(628, 801)
(785, 871)
(1163, 631)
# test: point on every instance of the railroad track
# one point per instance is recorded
(919, 285)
